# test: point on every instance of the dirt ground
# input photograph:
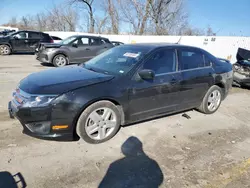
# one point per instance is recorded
(204, 151)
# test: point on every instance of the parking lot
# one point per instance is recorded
(203, 151)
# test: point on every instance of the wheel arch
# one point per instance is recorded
(222, 86)
(114, 101)
(60, 53)
(6, 43)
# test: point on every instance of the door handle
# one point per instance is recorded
(87, 49)
(105, 47)
(26, 41)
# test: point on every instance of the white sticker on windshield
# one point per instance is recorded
(133, 55)
(121, 71)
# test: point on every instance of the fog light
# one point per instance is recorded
(39, 127)
(58, 127)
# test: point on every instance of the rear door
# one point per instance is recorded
(197, 76)
(34, 39)
(20, 41)
(97, 46)
(160, 95)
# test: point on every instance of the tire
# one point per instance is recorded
(60, 60)
(206, 105)
(98, 124)
(5, 50)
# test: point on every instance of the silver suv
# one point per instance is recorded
(74, 49)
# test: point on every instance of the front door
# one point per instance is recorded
(160, 95)
(197, 77)
(20, 41)
(80, 50)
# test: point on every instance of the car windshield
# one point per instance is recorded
(12, 33)
(68, 40)
(118, 60)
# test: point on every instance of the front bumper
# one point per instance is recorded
(241, 79)
(38, 122)
(43, 57)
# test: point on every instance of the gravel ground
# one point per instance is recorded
(175, 152)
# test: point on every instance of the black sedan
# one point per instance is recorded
(123, 85)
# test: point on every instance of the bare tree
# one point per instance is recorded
(135, 13)
(153, 16)
(89, 4)
(210, 31)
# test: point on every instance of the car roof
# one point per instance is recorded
(92, 36)
(152, 46)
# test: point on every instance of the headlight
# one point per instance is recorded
(38, 101)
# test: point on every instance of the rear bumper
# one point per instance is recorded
(37, 122)
(241, 79)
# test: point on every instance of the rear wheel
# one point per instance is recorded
(212, 100)
(4, 50)
(99, 122)
(60, 60)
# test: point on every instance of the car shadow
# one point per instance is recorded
(135, 169)
(7, 180)
(47, 64)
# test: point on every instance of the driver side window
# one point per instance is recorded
(161, 62)
(21, 35)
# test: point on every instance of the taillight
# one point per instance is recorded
(51, 41)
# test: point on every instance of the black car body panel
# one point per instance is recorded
(25, 41)
(76, 87)
(80, 49)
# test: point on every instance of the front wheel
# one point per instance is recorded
(212, 100)
(5, 50)
(60, 60)
(99, 122)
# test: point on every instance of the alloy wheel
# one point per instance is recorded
(214, 100)
(101, 123)
(4, 50)
(60, 61)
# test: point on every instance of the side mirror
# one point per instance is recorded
(147, 74)
(74, 45)
(15, 37)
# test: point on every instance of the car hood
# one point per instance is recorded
(61, 80)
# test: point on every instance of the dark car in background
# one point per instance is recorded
(74, 49)
(242, 68)
(6, 32)
(123, 85)
(22, 41)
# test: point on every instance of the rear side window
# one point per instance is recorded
(190, 59)
(46, 37)
(34, 35)
(56, 38)
(163, 61)
(208, 61)
(94, 41)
